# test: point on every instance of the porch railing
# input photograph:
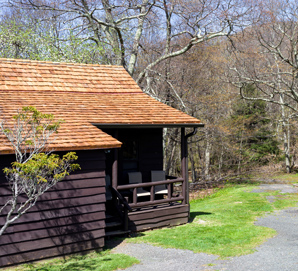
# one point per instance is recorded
(122, 207)
(169, 198)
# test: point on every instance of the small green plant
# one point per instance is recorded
(33, 172)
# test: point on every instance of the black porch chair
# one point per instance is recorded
(136, 178)
(159, 175)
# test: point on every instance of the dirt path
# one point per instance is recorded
(277, 254)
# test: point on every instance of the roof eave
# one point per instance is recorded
(72, 148)
(150, 125)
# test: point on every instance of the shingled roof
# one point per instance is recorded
(83, 95)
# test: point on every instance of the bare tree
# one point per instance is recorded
(266, 56)
(33, 172)
(154, 31)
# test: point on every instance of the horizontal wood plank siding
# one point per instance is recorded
(53, 251)
(69, 218)
(158, 217)
(39, 232)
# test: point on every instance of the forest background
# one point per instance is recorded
(231, 63)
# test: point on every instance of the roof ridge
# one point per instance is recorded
(52, 63)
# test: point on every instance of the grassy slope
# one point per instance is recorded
(223, 223)
(95, 261)
(286, 178)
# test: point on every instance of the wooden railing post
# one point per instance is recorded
(184, 166)
(115, 165)
(170, 192)
(134, 196)
(152, 193)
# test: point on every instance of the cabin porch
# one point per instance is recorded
(155, 210)
(138, 212)
(139, 204)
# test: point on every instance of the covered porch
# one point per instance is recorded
(141, 204)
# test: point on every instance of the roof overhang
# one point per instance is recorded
(153, 125)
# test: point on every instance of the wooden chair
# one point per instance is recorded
(159, 175)
(135, 178)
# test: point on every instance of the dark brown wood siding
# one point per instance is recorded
(149, 153)
(68, 218)
(161, 216)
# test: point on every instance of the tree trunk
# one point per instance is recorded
(220, 162)
(136, 42)
(207, 157)
(286, 134)
(193, 165)
(240, 155)
(169, 150)
(112, 34)
(286, 139)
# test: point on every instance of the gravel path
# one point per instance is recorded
(277, 254)
(165, 259)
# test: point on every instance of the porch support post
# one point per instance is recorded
(184, 167)
(115, 165)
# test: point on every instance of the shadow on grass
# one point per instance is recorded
(193, 215)
(95, 260)
(113, 242)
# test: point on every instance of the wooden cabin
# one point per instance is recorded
(116, 130)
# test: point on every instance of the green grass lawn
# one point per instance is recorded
(223, 223)
(95, 261)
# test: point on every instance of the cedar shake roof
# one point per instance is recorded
(81, 95)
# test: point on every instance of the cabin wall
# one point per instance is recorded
(150, 152)
(68, 218)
